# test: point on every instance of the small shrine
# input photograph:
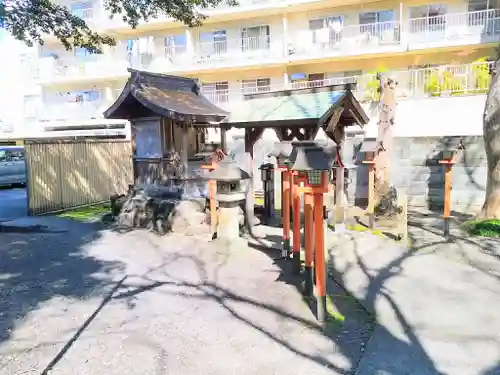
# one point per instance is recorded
(169, 117)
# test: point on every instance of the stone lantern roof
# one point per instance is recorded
(228, 171)
(312, 158)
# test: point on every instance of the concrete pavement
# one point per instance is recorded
(82, 301)
(436, 313)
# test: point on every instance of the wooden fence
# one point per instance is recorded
(69, 173)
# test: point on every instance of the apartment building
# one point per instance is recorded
(432, 48)
(12, 89)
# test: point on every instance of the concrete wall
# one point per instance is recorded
(415, 171)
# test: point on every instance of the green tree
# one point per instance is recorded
(30, 20)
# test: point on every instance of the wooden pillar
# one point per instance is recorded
(448, 164)
(339, 199)
(285, 206)
(371, 194)
(309, 242)
(223, 140)
(296, 223)
(251, 136)
(319, 263)
(184, 150)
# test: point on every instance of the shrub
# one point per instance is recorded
(372, 87)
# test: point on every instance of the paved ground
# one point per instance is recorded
(437, 303)
(75, 300)
(12, 203)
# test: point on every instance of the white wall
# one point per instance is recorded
(433, 117)
(13, 84)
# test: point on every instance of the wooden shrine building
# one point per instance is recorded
(169, 116)
(298, 114)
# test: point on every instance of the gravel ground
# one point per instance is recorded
(88, 302)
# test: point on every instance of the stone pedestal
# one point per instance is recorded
(228, 227)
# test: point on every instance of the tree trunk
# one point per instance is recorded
(385, 195)
(491, 135)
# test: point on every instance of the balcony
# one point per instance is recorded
(207, 55)
(444, 81)
(377, 37)
(54, 69)
(454, 29)
(451, 29)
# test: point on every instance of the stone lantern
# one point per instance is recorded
(313, 162)
(229, 178)
(447, 152)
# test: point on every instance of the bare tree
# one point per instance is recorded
(385, 196)
(491, 135)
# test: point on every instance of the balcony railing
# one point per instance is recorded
(237, 51)
(64, 111)
(347, 40)
(443, 81)
(77, 68)
(451, 28)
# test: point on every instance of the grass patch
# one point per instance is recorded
(362, 228)
(88, 213)
(483, 228)
(259, 201)
(333, 315)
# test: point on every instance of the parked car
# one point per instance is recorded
(12, 166)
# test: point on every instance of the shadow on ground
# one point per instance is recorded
(39, 264)
(393, 351)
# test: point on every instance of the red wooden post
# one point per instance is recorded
(285, 207)
(296, 222)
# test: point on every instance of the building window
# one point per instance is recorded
(255, 38)
(481, 5)
(428, 18)
(213, 43)
(217, 92)
(250, 86)
(327, 29)
(379, 24)
(175, 44)
(83, 53)
(316, 79)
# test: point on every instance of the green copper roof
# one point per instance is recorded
(295, 106)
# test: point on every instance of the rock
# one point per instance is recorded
(189, 216)
(160, 211)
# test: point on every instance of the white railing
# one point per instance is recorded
(62, 111)
(457, 80)
(347, 40)
(220, 49)
(455, 25)
(449, 29)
